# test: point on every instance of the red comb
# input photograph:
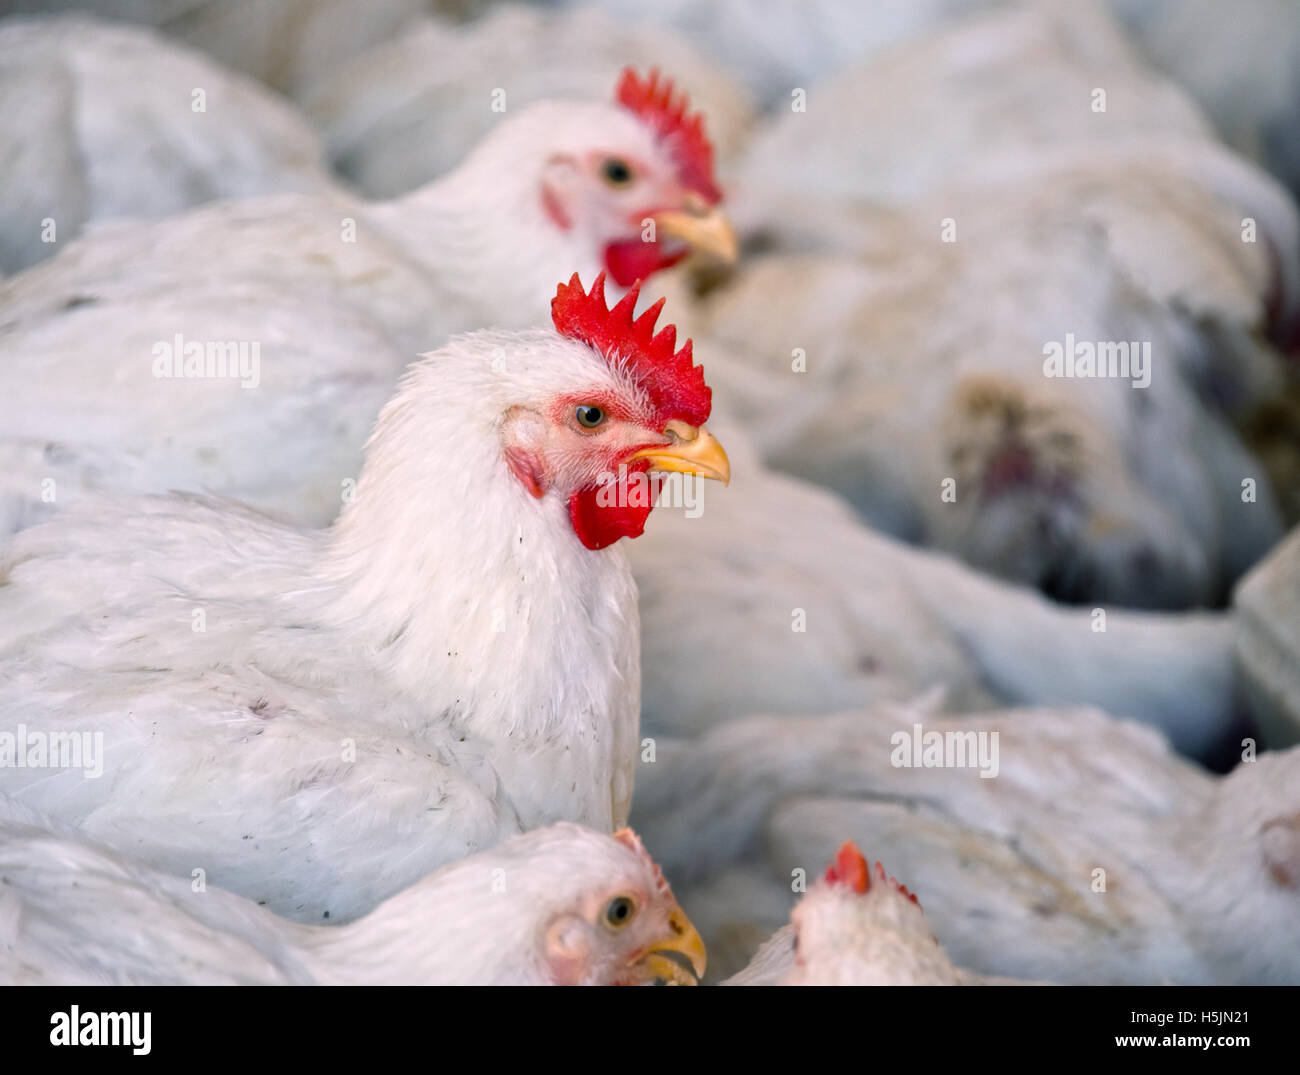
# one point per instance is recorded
(673, 382)
(850, 868)
(630, 839)
(883, 878)
(652, 100)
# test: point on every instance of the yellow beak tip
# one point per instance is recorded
(695, 451)
(707, 232)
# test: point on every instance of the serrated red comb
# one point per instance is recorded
(652, 100)
(850, 868)
(670, 378)
(893, 882)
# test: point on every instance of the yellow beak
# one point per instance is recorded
(703, 227)
(682, 944)
(689, 451)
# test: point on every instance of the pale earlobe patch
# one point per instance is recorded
(558, 180)
(523, 441)
(524, 466)
(568, 949)
(553, 205)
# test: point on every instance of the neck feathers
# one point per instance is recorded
(480, 602)
(485, 225)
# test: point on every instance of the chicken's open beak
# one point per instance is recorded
(680, 958)
(703, 227)
(691, 451)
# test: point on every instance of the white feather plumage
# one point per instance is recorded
(74, 913)
(482, 661)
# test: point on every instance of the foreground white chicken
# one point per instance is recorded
(103, 121)
(558, 906)
(854, 928)
(1089, 854)
(318, 719)
(246, 348)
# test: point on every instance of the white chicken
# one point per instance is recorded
(103, 121)
(1033, 212)
(913, 379)
(1090, 854)
(406, 111)
(318, 719)
(1025, 96)
(855, 928)
(558, 906)
(249, 346)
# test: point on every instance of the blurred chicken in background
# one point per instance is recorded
(923, 362)
(85, 139)
(283, 43)
(1026, 218)
(1191, 864)
(804, 609)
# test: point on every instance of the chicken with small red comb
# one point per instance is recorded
(317, 719)
(856, 927)
(246, 348)
(560, 905)
(1094, 854)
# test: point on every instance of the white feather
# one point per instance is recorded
(451, 630)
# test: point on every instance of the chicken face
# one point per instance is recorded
(848, 897)
(630, 932)
(644, 193)
(860, 928)
(588, 437)
(643, 409)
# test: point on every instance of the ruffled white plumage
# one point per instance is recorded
(235, 665)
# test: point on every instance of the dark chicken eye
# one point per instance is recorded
(615, 172)
(619, 912)
(589, 417)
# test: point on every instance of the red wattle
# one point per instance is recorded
(601, 516)
(630, 260)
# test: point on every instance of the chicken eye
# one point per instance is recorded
(589, 417)
(615, 172)
(619, 912)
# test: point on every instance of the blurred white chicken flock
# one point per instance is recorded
(336, 400)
